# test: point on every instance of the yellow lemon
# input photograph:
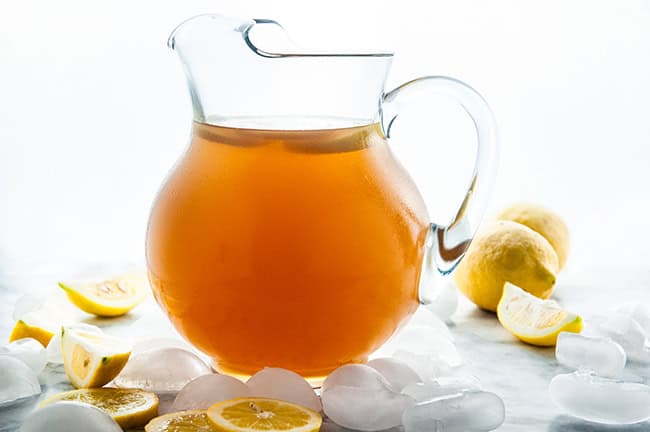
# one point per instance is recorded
(544, 221)
(108, 298)
(130, 408)
(533, 320)
(92, 359)
(506, 251)
(260, 414)
(23, 329)
(184, 421)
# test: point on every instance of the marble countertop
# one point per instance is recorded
(517, 372)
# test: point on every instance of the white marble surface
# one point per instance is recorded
(518, 373)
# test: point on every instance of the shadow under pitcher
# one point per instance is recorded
(288, 235)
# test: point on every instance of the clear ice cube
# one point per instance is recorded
(428, 367)
(364, 409)
(601, 355)
(53, 351)
(55, 310)
(29, 351)
(283, 384)
(397, 373)
(585, 395)
(639, 312)
(13, 413)
(69, 417)
(626, 332)
(17, 380)
(206, 390)
(461, 412)
(426, 341)
(358, 397)
(143, 345)
(26, 304)
(356, 375)
(162, 370)
(424, 318)
(443, 386)
(444, 305)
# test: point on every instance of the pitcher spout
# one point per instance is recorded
(242, 71)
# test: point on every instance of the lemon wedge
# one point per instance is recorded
(533, 320)
(183, 421)
(130, 408)
(108, 298)
(92, 359)
(40, 332)
(260, 414)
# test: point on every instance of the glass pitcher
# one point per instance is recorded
(288, 235)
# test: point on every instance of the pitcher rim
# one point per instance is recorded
(248, 24)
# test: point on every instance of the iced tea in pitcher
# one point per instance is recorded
(284, 248)
(288, 235)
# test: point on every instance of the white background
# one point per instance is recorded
(94, 111)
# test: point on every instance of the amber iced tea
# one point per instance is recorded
(295, 249)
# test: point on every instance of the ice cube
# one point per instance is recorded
(639, 312)
(601, 355)
(143, 345)
(444, 305)
(359, 397)
(428, 367)
(29, 351)
(443, 386)
(283, 384)
(13, 413)
(70, 417)
(17, 380)
(364, 409)
(356, 375)
(601, 400)
(152, 325)
(47, 313)
(53, 351)
(626, 332)
(162, 370)
(25, 304)
(206, 390)
(460, 412)
(461, 379)
(426, 341)
(397, 373)
(424, 318)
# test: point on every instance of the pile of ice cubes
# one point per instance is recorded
(599, 390)
(417, 381)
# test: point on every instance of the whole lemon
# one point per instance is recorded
(505, 251)
(546, 222)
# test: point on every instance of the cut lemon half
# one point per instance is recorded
(260, 414)
(92, 359)
(533, 320)
(184, 421)
(130, 408)
(108, 298)
(40, 332)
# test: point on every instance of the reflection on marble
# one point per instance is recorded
(519, 373)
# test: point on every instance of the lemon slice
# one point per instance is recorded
(108, 298)
(92, 359)
(184, 421)
(40, 319)
(533, 320)
(40, 332)
(260, 414)
(130, 408)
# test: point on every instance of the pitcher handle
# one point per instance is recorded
(446, 244)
